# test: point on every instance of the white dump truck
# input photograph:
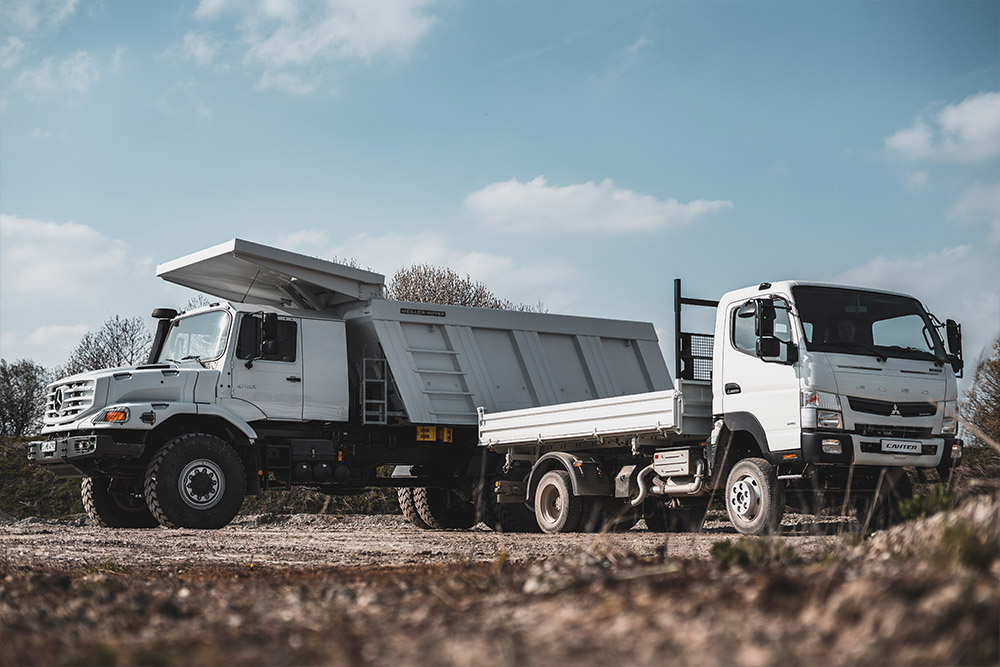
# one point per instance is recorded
(806, 395)
(305, 375)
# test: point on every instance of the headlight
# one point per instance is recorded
(114, 415)
(949, 425)
(829, 419)
(821, 409)
(822, 400)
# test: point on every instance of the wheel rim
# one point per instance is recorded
(744, 498)
(201, 484)
(550, 504)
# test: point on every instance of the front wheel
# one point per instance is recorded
(116, 503)
(195, 481)
(754, 498)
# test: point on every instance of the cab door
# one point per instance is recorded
(271, 381)
(754, 390)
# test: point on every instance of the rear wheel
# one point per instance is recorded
(116, 503)
(443, 508)
(409, 507)
(195, 481)
(606, 515)
(556, 508)
(754, 498)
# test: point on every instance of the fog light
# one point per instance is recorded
(832, 446)
(956, 451)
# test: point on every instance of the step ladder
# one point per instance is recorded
(374, 386)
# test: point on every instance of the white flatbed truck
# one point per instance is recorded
(809, 395)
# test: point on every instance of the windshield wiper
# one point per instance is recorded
(863, 346)
(196, 357)
(913, 352)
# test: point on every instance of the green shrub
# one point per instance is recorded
(27, 489)
(752, 552)
(922, 506)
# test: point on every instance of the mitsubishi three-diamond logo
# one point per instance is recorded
(895, 411)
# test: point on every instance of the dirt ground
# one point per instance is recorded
(312, 589)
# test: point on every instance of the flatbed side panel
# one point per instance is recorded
(639, 414)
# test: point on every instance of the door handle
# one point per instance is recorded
(294, 379)
(732, 388)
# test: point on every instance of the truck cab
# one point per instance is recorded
(825, 374)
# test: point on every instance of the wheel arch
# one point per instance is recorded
(585, 474)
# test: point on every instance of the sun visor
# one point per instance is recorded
(242, 271)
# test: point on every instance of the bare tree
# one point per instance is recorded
(981, 406)
(22, 396)
(427, 283)
(119, 342)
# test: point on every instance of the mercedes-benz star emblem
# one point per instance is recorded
(57, 400)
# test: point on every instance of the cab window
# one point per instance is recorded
(247, 348)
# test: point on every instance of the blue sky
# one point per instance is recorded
(581, 154)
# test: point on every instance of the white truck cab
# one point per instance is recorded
(834, 374)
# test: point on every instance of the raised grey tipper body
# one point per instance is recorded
(808, 395)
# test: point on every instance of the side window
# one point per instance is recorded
(286, 349)
(744, 338)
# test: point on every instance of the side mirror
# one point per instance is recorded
(954, 333)
(768, 346)
(764, 322)
(748, 309)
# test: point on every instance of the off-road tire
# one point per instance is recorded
(516, 518)
(443, 509)
(754, 498)
(409, 507)
(119, 506)
(215, 482)
(883, 511)
(557, 510)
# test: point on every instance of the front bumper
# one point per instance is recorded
(62, 455)
(856, 449)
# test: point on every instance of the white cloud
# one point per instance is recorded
(968, 131)
(10, 52)
(58, 279)
(546, 281)
(536, 206)
(195, 47)
(34, 15)
(979, 204)
(294, 44)
(69, 77)
(917, 181)
(961, 283)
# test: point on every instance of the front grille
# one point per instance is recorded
(68, 399)
(892, 431)
(888, 408)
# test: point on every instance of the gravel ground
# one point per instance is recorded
(312, 589)
(307, 540)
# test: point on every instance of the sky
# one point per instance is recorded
(579, 154)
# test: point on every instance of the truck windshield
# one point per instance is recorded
(201, 337)
(866, 323)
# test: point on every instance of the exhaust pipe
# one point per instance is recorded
(661, 487)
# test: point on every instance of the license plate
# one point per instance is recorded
(901, 447)
(48, 447)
